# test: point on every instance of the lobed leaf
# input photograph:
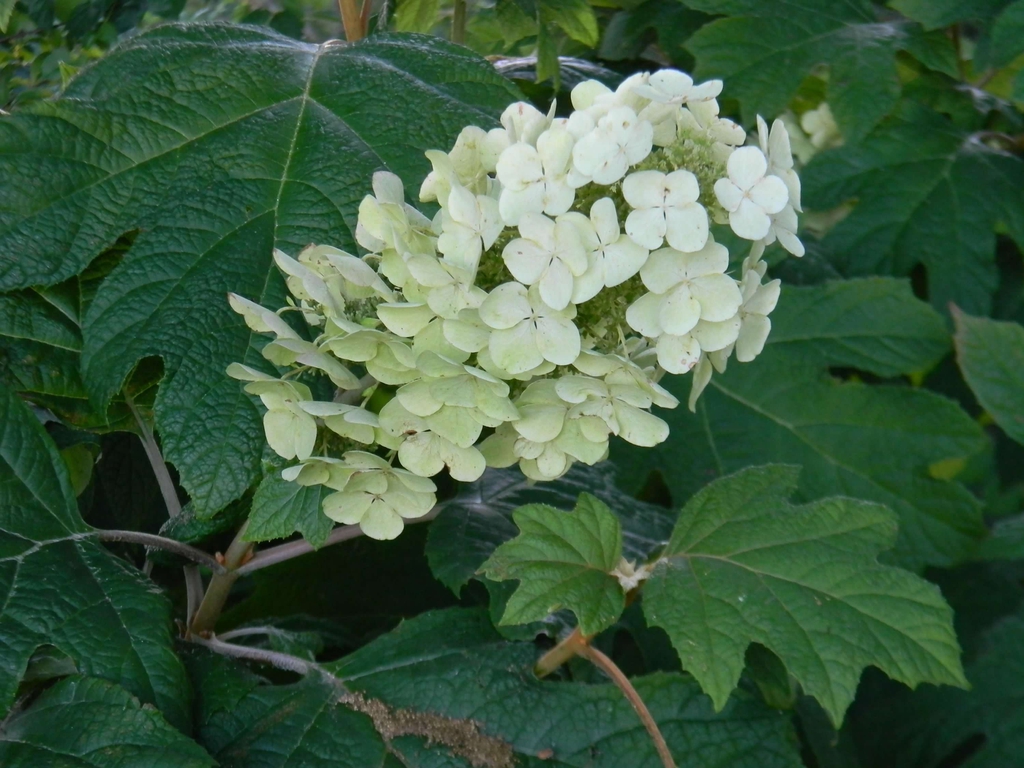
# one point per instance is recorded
(281, 508)
(869, 442)
(57, 589)
(86, 721)
(927, 193)
(991, 357)
(562, 560)
(744, 566)
(217, 143)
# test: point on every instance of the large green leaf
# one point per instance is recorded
(57, 589)
(246, 723)
(927, 193)
(744, 565)
(941, 13)
(991, 357)
(930, 728)
(470, 526)
(764, 50)
(217, 143)
(85, 721)
(454, 664)
(869, 442)
(562, 560)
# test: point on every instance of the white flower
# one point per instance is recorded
(469, 225)
(758, 302)
(386, 357)
(534, 179)
(448, 288)
(749, 195)
(426, 451)
(612, 257)
(821, 127)
(595, 99)
(291, 432)
(260, 319)
(390, 227)
(526, 330)
(700, 119)
(549, 254)
(523, 122)
(775, 146)
(670, 86)
(377, 496)
(622, 406)
(471, 159)
(615, 369)
(665, 207)
(619, 140)
(349, 421)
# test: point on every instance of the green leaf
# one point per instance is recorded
(60, 590)
(281, 508)
(562, 560)
(991, 356)
(469, 527)
(927, 193)
(471, 673)
(1006, 37)
(931, 727)
(744, 565)
(942, 13)
(416, 15)
(85, 721)
(6, 9)
(872, 324)
(871, 442)
(216, 143)
(246, 723)
(575, 17)
(764, 50)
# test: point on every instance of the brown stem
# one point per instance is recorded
(278, 554)
(159, 542)
(351, 20)
(610, 668)
(561, 653)
(220, 585)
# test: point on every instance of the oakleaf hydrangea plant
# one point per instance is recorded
(573, 262)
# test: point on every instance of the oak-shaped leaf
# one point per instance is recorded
(217, 143)
(86, 721)
(562, 560)
(61, 589)
(744, 565)
(877, 442)
(991, 357)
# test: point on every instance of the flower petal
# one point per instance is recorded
(646, 227)
(746, 166)
(686, 228)
(749, 221)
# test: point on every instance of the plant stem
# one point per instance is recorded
(353, 396)
(609, 667)
(273, 658)
(159, 542)
(220, 585)
(351, 20)
(156, 460)
(561, 653)
(459, 22)
(282, 552)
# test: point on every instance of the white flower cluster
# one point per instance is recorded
(572, 262)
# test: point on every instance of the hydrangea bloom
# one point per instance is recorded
(572, 263)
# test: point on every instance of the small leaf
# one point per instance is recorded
(575, 17)
(562, 560)
(744, 565)
(470, 526)
(942, 13)
(85, 721)
(281, 508)
(416, 15)
(991, 358)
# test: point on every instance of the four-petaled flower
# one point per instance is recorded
(665, 207)
(749, 195)
(549, 254)
(526, 330)
(533, 179)
(619, 140)
(612, 257)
